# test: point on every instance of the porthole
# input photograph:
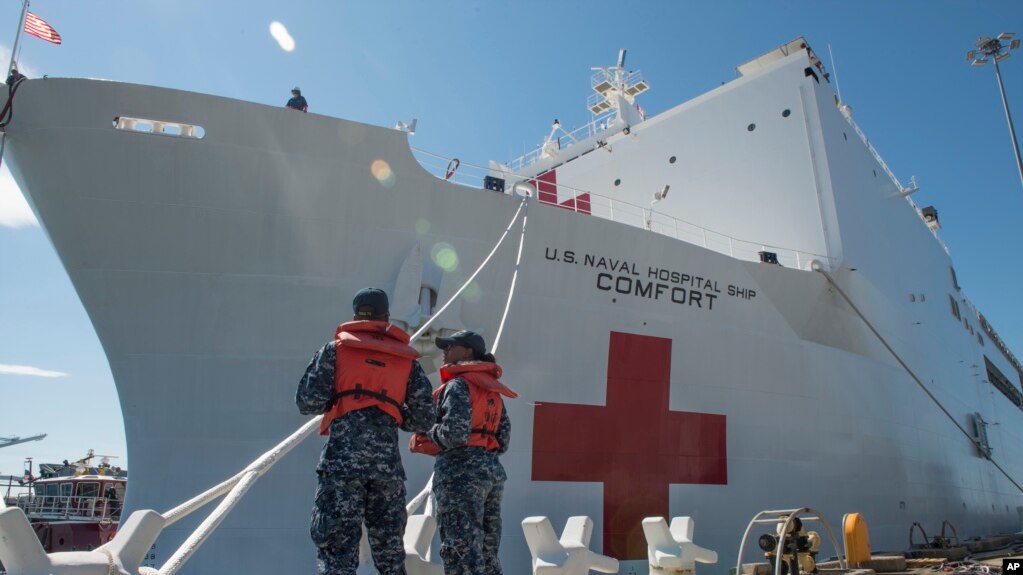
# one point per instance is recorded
(617, 182)
(786, 113)
(671, 160)
(751, 127)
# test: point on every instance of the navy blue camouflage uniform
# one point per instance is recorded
(360, 473)
(468, 483)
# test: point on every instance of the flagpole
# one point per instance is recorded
(17, 38)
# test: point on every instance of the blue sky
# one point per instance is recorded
(485, 79)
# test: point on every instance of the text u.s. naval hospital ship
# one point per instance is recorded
(717, 309)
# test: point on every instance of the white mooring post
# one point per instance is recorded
(21, 552)
(569, 555)
(672, 551)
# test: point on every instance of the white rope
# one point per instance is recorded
(436, 314)
(426, 495)
(206, 528)
(237, 486)
(110, 560)
(419, 499)
(911, 373)
(260, 465)
(515, 276)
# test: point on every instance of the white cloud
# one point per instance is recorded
(284, 39)
(14, 210)
(6, 369)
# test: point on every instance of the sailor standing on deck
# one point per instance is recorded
(472, 430)
(297, 101)
(368, 383)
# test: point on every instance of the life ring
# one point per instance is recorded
(452, 168)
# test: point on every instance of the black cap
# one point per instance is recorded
(466, 338)
(370, 302)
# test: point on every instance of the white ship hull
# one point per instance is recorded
(212, 268)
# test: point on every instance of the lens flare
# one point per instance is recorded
(473, 292)
(284, 39)
(381, 170)
(445, 256)
(422, 226)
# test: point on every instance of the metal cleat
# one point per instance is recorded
(571, 554)
(21, 552)
(672, 550)
(418, 536)
(419, 530)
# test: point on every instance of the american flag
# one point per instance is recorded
(38, 27)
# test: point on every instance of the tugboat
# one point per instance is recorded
(72, 506)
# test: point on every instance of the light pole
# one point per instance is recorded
(998, 49)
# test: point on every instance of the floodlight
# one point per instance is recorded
(998, 49)
(662, 194)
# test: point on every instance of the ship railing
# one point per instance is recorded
(69, 508)
(997, 340)
(599, 124)
(891, 175)
(589, 203)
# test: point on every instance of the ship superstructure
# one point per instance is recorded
(730, 306)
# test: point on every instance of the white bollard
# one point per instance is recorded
(419, 530)
(571, 554)
(418, 537)
(21, 552)
(672, 551)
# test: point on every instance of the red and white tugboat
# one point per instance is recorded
(72, 506)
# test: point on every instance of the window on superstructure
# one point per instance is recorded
(88, 489)
(955, 308)
(65, 490)
(980, 339)
(955, 281)
(1002, 383)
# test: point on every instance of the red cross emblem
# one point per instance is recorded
(635, 445)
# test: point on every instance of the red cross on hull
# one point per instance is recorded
(635, 445)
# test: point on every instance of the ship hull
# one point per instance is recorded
(212, 269)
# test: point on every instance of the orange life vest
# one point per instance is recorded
(485, 393)
(371, 369)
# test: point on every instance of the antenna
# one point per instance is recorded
(621, 58)
(834, 72)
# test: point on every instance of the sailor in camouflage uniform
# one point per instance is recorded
(368, 384)
(472, 430)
